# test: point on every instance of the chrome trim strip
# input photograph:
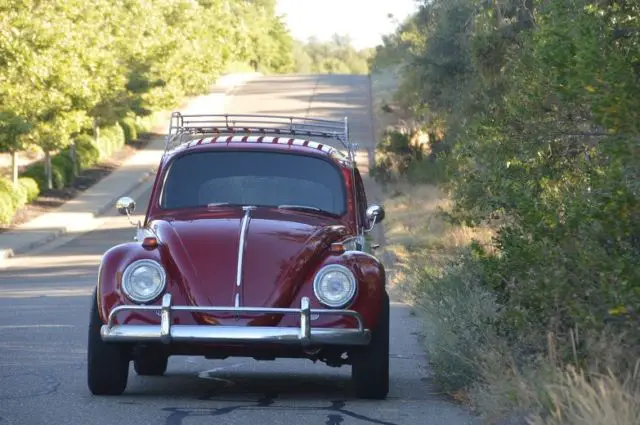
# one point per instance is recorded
(165, 319)
(244, 225)
(236, 334)
(305, 322)
(304, 335)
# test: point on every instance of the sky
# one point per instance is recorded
(365, 21)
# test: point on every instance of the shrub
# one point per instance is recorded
(111, 139)
(36, 172)
(20, 195)
(17, 195)
(87, 153)
(63, 163)
(428, 170)
(143, 124)
(129, 128)
(31, 188)
(459, 315)
(6, 208)
(382, 170)
(399, 155)
(58, 178)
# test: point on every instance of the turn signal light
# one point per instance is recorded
(337, 248)
(150, 242)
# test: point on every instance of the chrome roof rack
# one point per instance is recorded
(183, 128)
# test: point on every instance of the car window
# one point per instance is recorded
(253, 178)
(362, 199)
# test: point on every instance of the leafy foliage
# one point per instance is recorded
(336, 56)
(539, 103)
(130, 131)
(31, 188)
(67, 64)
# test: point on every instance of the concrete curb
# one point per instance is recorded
(92, 224)
(90, 220)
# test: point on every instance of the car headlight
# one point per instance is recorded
(334, 285)
(143, 280)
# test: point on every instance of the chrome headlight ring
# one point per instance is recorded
(335, 285)
(144, 280)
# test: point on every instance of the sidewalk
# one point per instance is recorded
(80, 215)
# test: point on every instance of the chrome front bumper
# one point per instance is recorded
(165, 332)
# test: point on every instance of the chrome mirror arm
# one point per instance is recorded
(375, 214)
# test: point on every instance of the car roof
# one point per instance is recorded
(265, 143)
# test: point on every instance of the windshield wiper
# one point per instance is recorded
(223, 204)
(306, 208)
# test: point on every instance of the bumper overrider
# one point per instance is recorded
(303, 335)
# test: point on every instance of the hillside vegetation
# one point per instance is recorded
(515, 201)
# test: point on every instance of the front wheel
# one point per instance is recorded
(370, 364)
(107, 363)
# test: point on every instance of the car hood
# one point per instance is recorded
(281, 249)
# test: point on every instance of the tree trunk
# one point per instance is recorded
(498, 11)
(74, 159)
(48, 169)
(14, 168)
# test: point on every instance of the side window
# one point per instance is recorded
(362, 200)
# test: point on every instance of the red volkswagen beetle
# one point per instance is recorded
(254, 244)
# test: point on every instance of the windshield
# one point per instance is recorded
(253, 178)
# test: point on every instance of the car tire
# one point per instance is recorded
(370, 364)
(150, 361)
(107, 364)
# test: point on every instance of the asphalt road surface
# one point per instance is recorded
(44, 311)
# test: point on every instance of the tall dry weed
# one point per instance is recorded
(582, 398)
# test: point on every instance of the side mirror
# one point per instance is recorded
(375, 214)
(126, 206)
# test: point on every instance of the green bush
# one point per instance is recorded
(21, 195)
(143, 124)
(36, 172)
(428, 170)
(397, 157)
(129, 128)
(63, 163)
(17, 195)
(459, 316)
(6, 208)
(87, 153)
(543, 126)
(111, 140)
(31, 188)
(58, 178)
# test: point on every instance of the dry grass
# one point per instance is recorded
(415, 225)
(543, 392)
(582, 399)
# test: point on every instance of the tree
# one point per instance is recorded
(12, 130)
(69, 66)
(539, 103)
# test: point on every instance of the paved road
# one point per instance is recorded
(44, 305)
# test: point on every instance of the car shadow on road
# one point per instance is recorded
(243, 385)
(237, 394)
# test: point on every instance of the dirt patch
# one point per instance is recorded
(52, 199)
